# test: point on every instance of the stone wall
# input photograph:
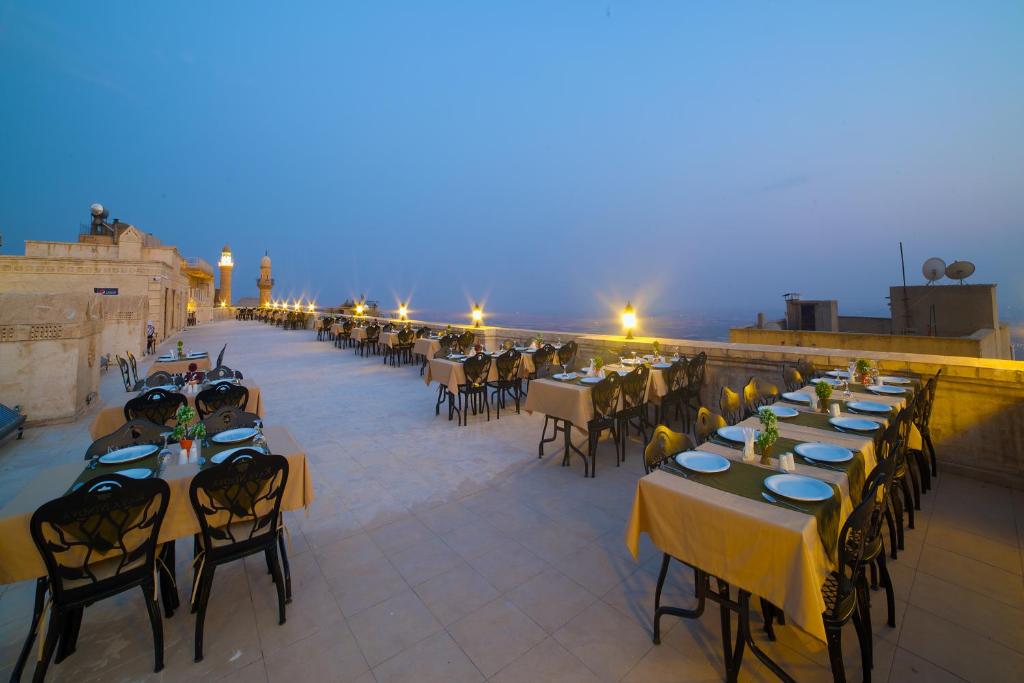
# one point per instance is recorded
(124, 325)
(981, 344)
(49, 353)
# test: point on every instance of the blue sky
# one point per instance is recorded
(545, 156)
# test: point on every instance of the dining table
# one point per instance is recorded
(19, 558)
(769, 546)
(111, 417)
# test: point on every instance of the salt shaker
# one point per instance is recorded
(182, 457)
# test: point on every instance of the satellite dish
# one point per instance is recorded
(960, 270)
(98, 211)
(933, 269)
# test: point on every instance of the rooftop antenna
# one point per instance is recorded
(908, 322)
(960, 270)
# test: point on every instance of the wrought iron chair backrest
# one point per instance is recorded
(133, 433)
(927, 400)
(372, 332)
(695, 372)
(239, 500)
(134, 366)
(508, 364)
(466, 340)
(220, 356)
(159, 378)
(663, 445)
(210, 400)
(677, 373)
(806, 369)
(477, 368)
(792, 379)
(156, 405)
(604, 396)
(708, 423)
(852, 539)
(729, 404)
(229, 417)
(543, 356)
(388, 327)
(220, 372)
(404, 336)
(126, 377)
(422, 332)
(102, 535)
(768, 392)
(567, 352)
(751, 398)
(634, 387)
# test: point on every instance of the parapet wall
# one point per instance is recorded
(982, 344)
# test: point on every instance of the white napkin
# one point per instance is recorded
(786, 463)
(748, 444)
(182, 457)
(814, 400)
(833, 410)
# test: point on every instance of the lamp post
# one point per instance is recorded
(403, 312)
(359, 308)
(628, 320)
(478, 315)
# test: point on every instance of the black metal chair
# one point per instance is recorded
(634, 405)
(675, 379)
(220, 396)
(707, 424)
(473, 393)
(664, 444)
(108, 514)
(134, 367)
(160, 378)
(401, 349)
(466, 341)
(324, 331)
(508, 382)
(369, 342)
(238, 505)
(229, 417)
(731, 406)
(792, 379)
(922, 420)
(695, 375)
(604, 397)
(344, 337)
(565, 355)
(156, 405)
(807, 370)
(542, 358)
(126, 376)
(133, 433)
(220, 372)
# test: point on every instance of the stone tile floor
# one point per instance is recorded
(439, 553)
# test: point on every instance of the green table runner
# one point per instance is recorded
(746, 480)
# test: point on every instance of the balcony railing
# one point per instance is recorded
(260, 281)
(196, 263)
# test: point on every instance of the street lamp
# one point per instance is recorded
(403, 312)
(478, 315)
(628, 320)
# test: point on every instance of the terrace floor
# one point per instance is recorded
(443, 553)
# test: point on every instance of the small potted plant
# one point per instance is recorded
(598, 365)
(657, 349)
(768, 434)
(181, 349)
(863, 370)
(824, 391)
(188, 427)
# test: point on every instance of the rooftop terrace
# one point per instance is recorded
(436, 552)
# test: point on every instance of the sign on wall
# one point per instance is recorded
(106, 291)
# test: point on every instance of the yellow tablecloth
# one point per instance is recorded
(451, 373)
(563, 400)
(425, 346)
(181, 366)
(111, 417)
(20, 560)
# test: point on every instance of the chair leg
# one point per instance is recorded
(908, 498)
(55, 628)
(203, 598)
(279, 582)
(37, 611)
(168, 586)
(889, 522)
(890, 593)
(927, 438)
(149, 590)
(287, 569)
(834, 637)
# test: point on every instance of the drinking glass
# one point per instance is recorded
(165, 452)
(564, 373)
(259, 441)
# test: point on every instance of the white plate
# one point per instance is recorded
(799, 487)
(825, 452)
(565, 376)
(842, 374)
(783, 411)
(456, 356)
(197, 354)
(129, 454)
(699, 461)
(166, 358)
(136, 473)
(889, 379)
(797, 397)
(222, 380)
(857, 424)
(632, 361)
(223, 455)
(234, 435)
(884, 389)
(662, 366)
(869, 407)
(826, 380)
(591, 380)
(733, 433)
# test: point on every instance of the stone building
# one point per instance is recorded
(201, 296)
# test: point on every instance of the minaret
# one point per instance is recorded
(225, 264)
(265, 283)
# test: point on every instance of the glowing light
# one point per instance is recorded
(478, 315)
(312, 307)
(223, 304)
(403, 312)
(628, 320)
(297, 304)
(359, 309)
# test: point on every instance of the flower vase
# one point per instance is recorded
(823, 405)
(186, 444)
(766, 455)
